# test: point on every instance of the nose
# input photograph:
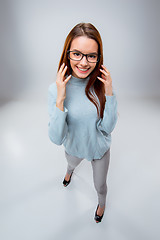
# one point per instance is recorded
(84, 61)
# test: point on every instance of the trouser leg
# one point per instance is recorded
(100, 169)
(73, 162)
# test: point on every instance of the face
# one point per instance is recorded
(83, 44)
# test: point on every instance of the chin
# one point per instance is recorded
(83, 76)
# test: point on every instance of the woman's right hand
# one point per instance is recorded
(61, 82)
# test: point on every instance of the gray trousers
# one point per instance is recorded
(100, 169)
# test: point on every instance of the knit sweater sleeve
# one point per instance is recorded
(57, 126)
(110, 115)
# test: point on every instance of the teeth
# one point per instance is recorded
(84, 70)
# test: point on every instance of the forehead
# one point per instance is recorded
(84, 44)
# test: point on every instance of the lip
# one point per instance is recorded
(83, 71)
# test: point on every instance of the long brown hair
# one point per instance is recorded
(94, 85)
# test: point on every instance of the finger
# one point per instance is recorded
(64, 71)
(61, 68)
(101, 79)
(104, 72)
(104, 77)
(105, 68)
(68, 78)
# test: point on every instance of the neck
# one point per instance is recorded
(79, 81)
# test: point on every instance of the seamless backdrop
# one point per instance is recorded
(33, 34)
(33, 203)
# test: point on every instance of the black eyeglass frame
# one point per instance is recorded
(86, 55)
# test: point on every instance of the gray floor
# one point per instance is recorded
(35, 205)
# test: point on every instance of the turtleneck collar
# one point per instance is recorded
(79, 81)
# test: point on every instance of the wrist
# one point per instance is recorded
(60, 101)
(60, 105)
(109, 93)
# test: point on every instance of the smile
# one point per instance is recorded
(83, 69)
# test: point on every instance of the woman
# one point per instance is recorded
(83, 108)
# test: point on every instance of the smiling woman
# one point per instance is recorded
(83, 64)
(83, 108)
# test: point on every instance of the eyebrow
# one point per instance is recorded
(86, 53)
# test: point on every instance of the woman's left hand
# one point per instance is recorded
(107, 80)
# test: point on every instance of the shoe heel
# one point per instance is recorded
(98, 218)
(65, 183)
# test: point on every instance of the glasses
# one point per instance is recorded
(77, 56)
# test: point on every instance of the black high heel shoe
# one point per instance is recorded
(98, 218)
(65, 183)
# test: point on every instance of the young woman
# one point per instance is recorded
(83, 107)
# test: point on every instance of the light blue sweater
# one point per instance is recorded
(78, 127)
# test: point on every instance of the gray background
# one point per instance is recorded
(33, 34)
(34, 205)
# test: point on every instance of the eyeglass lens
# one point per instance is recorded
(77, 56)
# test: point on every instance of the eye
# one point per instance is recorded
(76, 54)
(92, 56)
